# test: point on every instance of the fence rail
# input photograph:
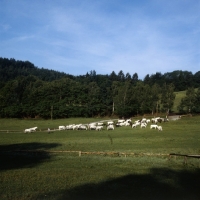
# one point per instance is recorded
(112, 153)
(7, 131)
(125, 154)
(185, 156)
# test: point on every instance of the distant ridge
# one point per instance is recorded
(11, 69)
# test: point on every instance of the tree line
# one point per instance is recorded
(27, 91)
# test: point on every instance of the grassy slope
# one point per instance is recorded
(179, 96)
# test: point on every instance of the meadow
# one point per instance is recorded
(122, 164)
(177, 100)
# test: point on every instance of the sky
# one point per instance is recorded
(79, 36)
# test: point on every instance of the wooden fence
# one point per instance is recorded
(80, 153)
(185, 156)
(116, 154)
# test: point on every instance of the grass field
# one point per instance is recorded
(179, 96)
(122, 164)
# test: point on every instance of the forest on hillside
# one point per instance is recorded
(27, 91)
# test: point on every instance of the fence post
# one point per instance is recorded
(185, 159)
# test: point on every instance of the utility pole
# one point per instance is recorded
(157, 108)
(51, 112)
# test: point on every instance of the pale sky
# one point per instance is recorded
(77, 36)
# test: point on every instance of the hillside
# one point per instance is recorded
(11, 69)
(30, 92)
(179, 96)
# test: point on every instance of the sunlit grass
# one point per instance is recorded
(177, 101)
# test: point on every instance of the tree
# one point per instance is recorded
(145, 96)
(190, 99)
(157, 78)
(113, 76)
(167, 97)
(122, 99)
(121, 76)
(188, 102)
(197, 79)
(154, 98)
(147, 79)
(94, 99)
(137, 98)
(135, 78)
(181, 79)
(114, 91)
(128, 77)
(27, 91)
(197, 101)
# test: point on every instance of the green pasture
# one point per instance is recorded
(179, 95)
(122, 164)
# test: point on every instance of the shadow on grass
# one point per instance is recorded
(159, 184)
(22, 155)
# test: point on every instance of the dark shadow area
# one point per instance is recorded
(159, 184)
(16, 156)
